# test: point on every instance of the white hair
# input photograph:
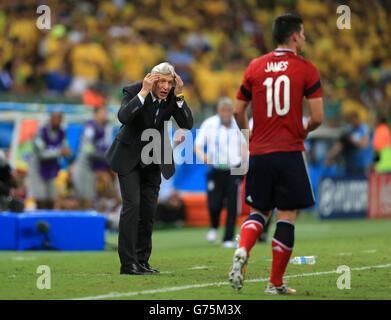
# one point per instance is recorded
(164, 68)
(225, 102)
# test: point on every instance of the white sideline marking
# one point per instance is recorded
(201, 267)
(345, 254)
(369, 251)
(361, 251)
(218, 284)
(20, 258)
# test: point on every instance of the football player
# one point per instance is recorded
(277, 83)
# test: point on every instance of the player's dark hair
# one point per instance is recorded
(284, 26)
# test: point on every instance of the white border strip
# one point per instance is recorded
(202, 285)
(308, 174)
(281, 244)
(251, 221)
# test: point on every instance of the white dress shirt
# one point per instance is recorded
(223, 144)
(142, 100)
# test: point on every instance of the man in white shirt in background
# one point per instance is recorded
(225, 149)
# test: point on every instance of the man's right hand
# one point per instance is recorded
(148, 83)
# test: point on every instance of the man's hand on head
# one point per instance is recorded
(178, 84)
(148, 82)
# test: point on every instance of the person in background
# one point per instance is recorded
(93, 98)
(90, 62)
(225, 145)
(182, 58)
(353, 144)
(94, 142)
(171, 209)
(6, 80)
(108, 200)
(8, 201)
(58, 81)
(66, 198)
(49, 146)
(382, 145)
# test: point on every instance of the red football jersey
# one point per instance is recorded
(276, 84)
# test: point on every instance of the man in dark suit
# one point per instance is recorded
(146, 106)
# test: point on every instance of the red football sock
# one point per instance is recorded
(281, 255)
(249, 234)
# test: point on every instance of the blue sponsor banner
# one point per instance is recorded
(343, 197)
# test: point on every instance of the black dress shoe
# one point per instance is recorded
(134, 269)
(147, 267)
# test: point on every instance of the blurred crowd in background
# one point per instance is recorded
(94, 48)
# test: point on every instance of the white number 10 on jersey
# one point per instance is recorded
(269, 95)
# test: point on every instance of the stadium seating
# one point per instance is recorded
(211, 43)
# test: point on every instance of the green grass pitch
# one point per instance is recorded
(193, 269)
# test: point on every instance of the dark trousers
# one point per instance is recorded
(223, 189)
(139, 192)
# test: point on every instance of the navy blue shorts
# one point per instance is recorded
(279, 180)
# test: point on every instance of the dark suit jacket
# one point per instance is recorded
(125, 152)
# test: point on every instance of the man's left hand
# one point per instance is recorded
(178, 84)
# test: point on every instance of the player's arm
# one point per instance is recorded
(243, 98)
(313, 95)
(240, 114)
(315, 107)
